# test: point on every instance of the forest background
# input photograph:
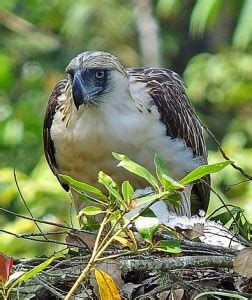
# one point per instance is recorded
(207, 42)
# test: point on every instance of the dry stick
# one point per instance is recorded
(95, 256)
(248, 176)
(25, 204)
(45, 222)
(26, 237)
(91, 261)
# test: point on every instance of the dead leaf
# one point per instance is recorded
(124, 242)
(243, 263)
(192, 233)
(81, 239)
(110, 267)
(128, 289)
(106, 285)
(176, 294)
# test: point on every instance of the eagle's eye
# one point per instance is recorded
(100, 74)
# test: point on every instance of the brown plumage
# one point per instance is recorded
(155, 94)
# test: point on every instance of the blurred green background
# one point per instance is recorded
(208, 42)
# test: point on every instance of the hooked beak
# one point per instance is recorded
(83, 89)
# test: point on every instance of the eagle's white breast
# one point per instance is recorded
(123, 124)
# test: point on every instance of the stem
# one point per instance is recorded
(124, 253)
(91, 261)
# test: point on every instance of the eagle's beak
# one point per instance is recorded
(83, 89)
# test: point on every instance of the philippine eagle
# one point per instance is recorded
(103, 107)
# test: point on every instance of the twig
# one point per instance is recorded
(25, 204)
(46, 222)
(26, 237)
(167, 264)
(229, 211)
(248, 176)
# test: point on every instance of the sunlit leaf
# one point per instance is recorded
(149, 198)
(171, 184)
(127, 191)
(147, 226)
(35, 270)
(161, 167)
(91, 210)
(106, 285)
(243, 32)
(81, 185)
(203, 12)
(204, 170)
(171, 246)
(135, 168)
(110, 185)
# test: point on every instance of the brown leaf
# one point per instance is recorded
(243, 263)
(110, 267)
(176, 294)
(106, 285)
(192, 233)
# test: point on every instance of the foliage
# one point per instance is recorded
(38, 39)
(14, 279)
(115, 221)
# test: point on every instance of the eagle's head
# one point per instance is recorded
(94, 76)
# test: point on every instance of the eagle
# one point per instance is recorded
(102, 107)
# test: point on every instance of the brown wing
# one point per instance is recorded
(176, 112)
(48, 142)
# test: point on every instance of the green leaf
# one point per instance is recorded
(243, 31)
(135, 168)
(81, 185)
(171, 184)
(103, 200)
(35, 271)
(226, 216)
(203, 12)
(149, 198)
(224, 294)
(110, 185)
(161, 168)
(174, 199)
(127, 191)
(171, 246)
(91, 210)
(89, 223)
(147, 226)
(204, 170)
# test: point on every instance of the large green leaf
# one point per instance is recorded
(204, 170)
(35, 270)
(171, 246)
(81, 185)
(147, 226)
(135, 168)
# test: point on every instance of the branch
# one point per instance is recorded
(167, 264)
